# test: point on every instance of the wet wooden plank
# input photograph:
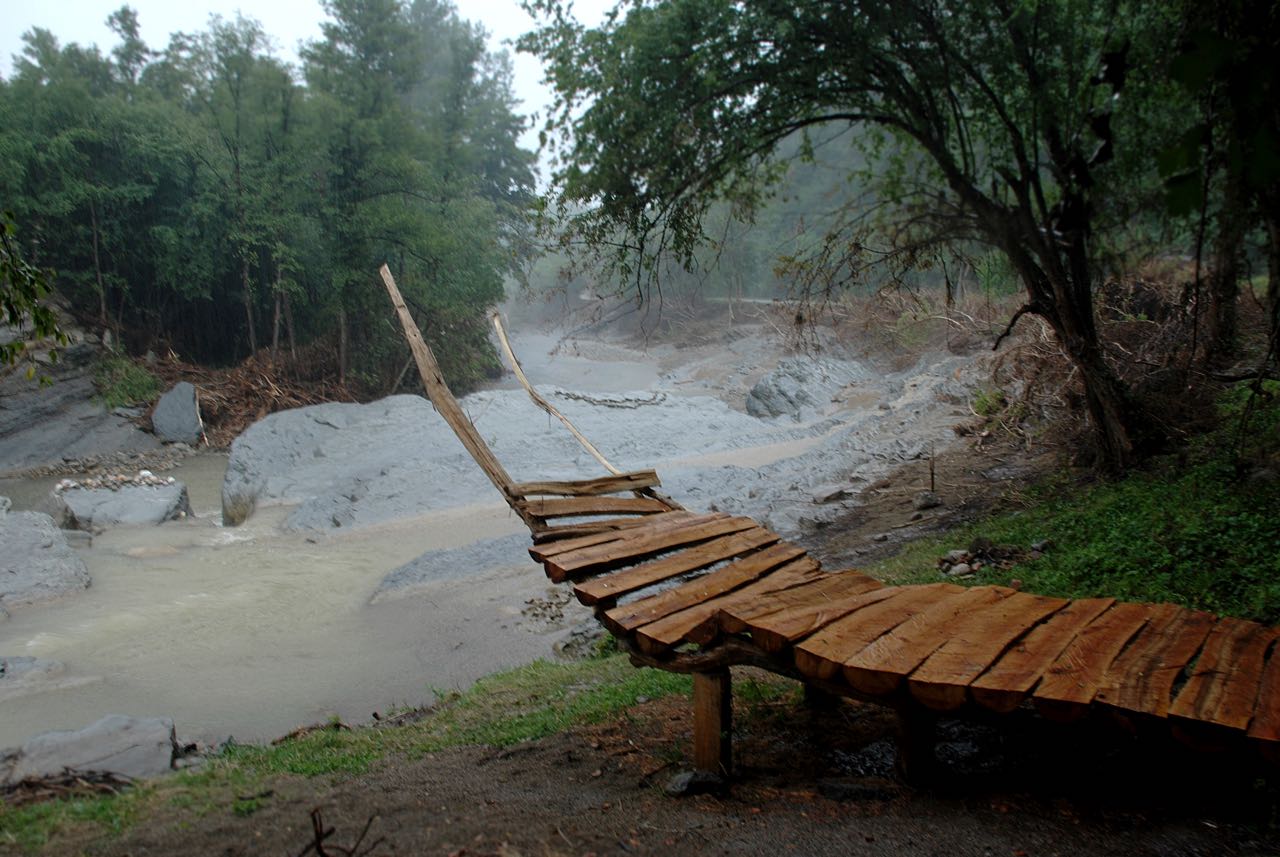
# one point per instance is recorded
(822, 655)
(1223, 685)
(1007, 683)
(1264, 729)
(974, 643)
(652, 524)
(632, 481)
(795, 614)
(626, 618)
(880, 667)
(610, 587)
(543, 534)
(570, 507)
(657, 637)
(1141, 678)
(1070, 683)
(639, 544)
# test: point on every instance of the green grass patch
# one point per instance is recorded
(30, 827)
(1199, 531)
(122, 382)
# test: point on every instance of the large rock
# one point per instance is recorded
(36, 563)
(177, 415)
(453, 564)
(134, 747)
(799, 387)
(95, 509)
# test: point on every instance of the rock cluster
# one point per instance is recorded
(983, 553)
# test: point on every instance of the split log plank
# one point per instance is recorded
(1141, 678)
(545, 535)
(879, 668)
(1265, 727)
(571, 507)
(633, 481)
(1071, 682)
(1223, 685)
(1005, 685)
(613, 586)
(973, 643)
(638, 544)
(658, 637)
(628, 617)
(822, 655)
(793, 615)
(543, 552)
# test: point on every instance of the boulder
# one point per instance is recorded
(133, 747)
(36, 563)
(454, 563)
(176, 418)
(94, 509)
(926, 500)
(802, 386)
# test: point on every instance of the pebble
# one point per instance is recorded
(112, 481)
(962, 569)
(926, 500)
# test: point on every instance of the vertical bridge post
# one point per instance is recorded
(713, 722)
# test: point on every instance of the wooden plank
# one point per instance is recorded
(626, 618)
(589, 487)
(657, 637)
(1006, 684)
(442, 397)
(544, 552)
(975, 641)
(1071, 682)
(880, 667)
(1223, 684)
(1141, 678)
(1264, 729)
(638, 544)
(822, 655)
(544, 535)
(713, 722)
(795, 614)
(611, 587)
(570, 507)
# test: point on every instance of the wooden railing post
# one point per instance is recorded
(713, 722)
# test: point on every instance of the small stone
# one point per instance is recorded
(691, 783)
(915, 516)
(880, 537)
(926, 500)
(962, 569)
(1042, 546)
(957, 556)
(1015, 584)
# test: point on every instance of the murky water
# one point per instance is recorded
(252, 631)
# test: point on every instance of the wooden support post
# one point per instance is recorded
(917, 736)
(713, 722)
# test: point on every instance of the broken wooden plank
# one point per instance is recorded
(626, 618)
(973, 643)
(879, 668)
(793, 615)
(635, 545)
(632, 481)
(1070, 683)
(573, 507)
(1223, 685)
(1141, 678)
(545, 535)
(611, 587)
(822, 655)
(543, 552)
(1007, 683)
(660, 636)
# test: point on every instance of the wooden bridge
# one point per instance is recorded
(700, 593)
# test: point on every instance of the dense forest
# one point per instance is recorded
(207, 199)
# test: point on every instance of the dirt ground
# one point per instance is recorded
(808, 782)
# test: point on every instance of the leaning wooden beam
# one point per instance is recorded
(543, 403)
(442, 397)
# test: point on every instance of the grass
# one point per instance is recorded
(122, 382)
(522, 704)
(1196, 530)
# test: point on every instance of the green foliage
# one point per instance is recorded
(30, 827)
(1195, 533)
(987, 403)
(22, 288)
(122, 382)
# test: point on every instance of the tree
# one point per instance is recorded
(22, 290)
(992, 120)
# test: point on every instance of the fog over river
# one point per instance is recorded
(253, 630)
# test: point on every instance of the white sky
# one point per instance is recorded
(289, 22)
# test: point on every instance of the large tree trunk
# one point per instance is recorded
(248, 306)
(97, 265)
(342, 346)
(1224, 275)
